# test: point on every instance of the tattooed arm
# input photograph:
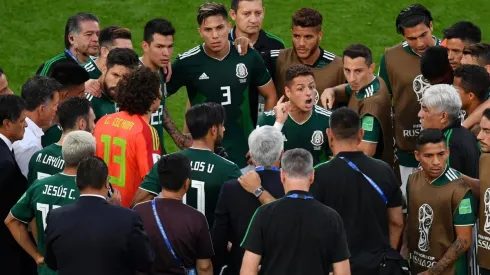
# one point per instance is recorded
(181, 140)
(458, 248)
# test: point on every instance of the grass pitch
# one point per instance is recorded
(31, 32)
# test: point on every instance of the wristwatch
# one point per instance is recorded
(258, 191)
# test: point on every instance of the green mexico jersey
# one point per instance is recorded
(156, 119)
(52, 135)
(90, 66)
(40, 198)
(309, 135)
(209, 172)
(102, 105)
(45, 163)
(227, 82)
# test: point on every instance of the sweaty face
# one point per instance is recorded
(249, 16)
(301, 92)
(433, 158)
(357, 72)
(484, 135)
(87, 41)
(306, 40)
(160, 50)
(419, 38)
(465, 96)
(455, 49)
(48, 111)
(4, 86)
(214, 31)
(430, 118)
(112, 78)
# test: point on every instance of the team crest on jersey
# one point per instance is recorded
(241, 70)
(317, 140)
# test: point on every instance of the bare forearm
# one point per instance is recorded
(20, 234)
(270, 102)
(266, 198)
(182, 141)
(452, 254)
(475, 117)
(474, 184)
(395, 235)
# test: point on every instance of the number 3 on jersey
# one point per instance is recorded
(199, 185)
(226, 95)
(110, 143)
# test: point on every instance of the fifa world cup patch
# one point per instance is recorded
(317, 140)
(368, 123)
(465, 207)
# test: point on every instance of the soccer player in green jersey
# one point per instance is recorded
(81, 44)
(112, 37)
(215, 72)
(158, 47)
(72, 78)
(75, 114)
(209, 171)
(303, 123)
(120, 62)
(47, 194)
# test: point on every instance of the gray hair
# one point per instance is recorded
(266, 144)
(73, 24)
(443, 98)
(297, 163)
(77, 145)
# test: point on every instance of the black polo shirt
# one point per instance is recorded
(264, 44)
(296, 236)
(464, 154)
(361, 207)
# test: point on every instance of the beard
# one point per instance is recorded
(110, 92)
(219, 141)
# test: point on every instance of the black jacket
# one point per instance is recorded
(94, 237)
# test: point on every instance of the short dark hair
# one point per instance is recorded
(465, 31)
(209, 9)
(480, 52)
(38, 90)
(359, 50)
(307, 18)
(411, 17)
(69, 74)
(345, 123)
(295, 71)
(137, 90)
(124, 57)
(474, 79)
(71, 110)
(157, 25)
(92, 172)
(486, 113)
(108, 35)
(73, 24)
(11, 107)
(430, 135)
(173, 171)
(434, 63)
(235, 3)
(202, 117)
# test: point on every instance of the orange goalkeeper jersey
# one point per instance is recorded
(130, 146)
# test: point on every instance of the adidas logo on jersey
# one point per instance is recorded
(203, 76)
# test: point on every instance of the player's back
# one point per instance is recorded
(209, 172)
(43, 196)
(45, 162)
(129, 145)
